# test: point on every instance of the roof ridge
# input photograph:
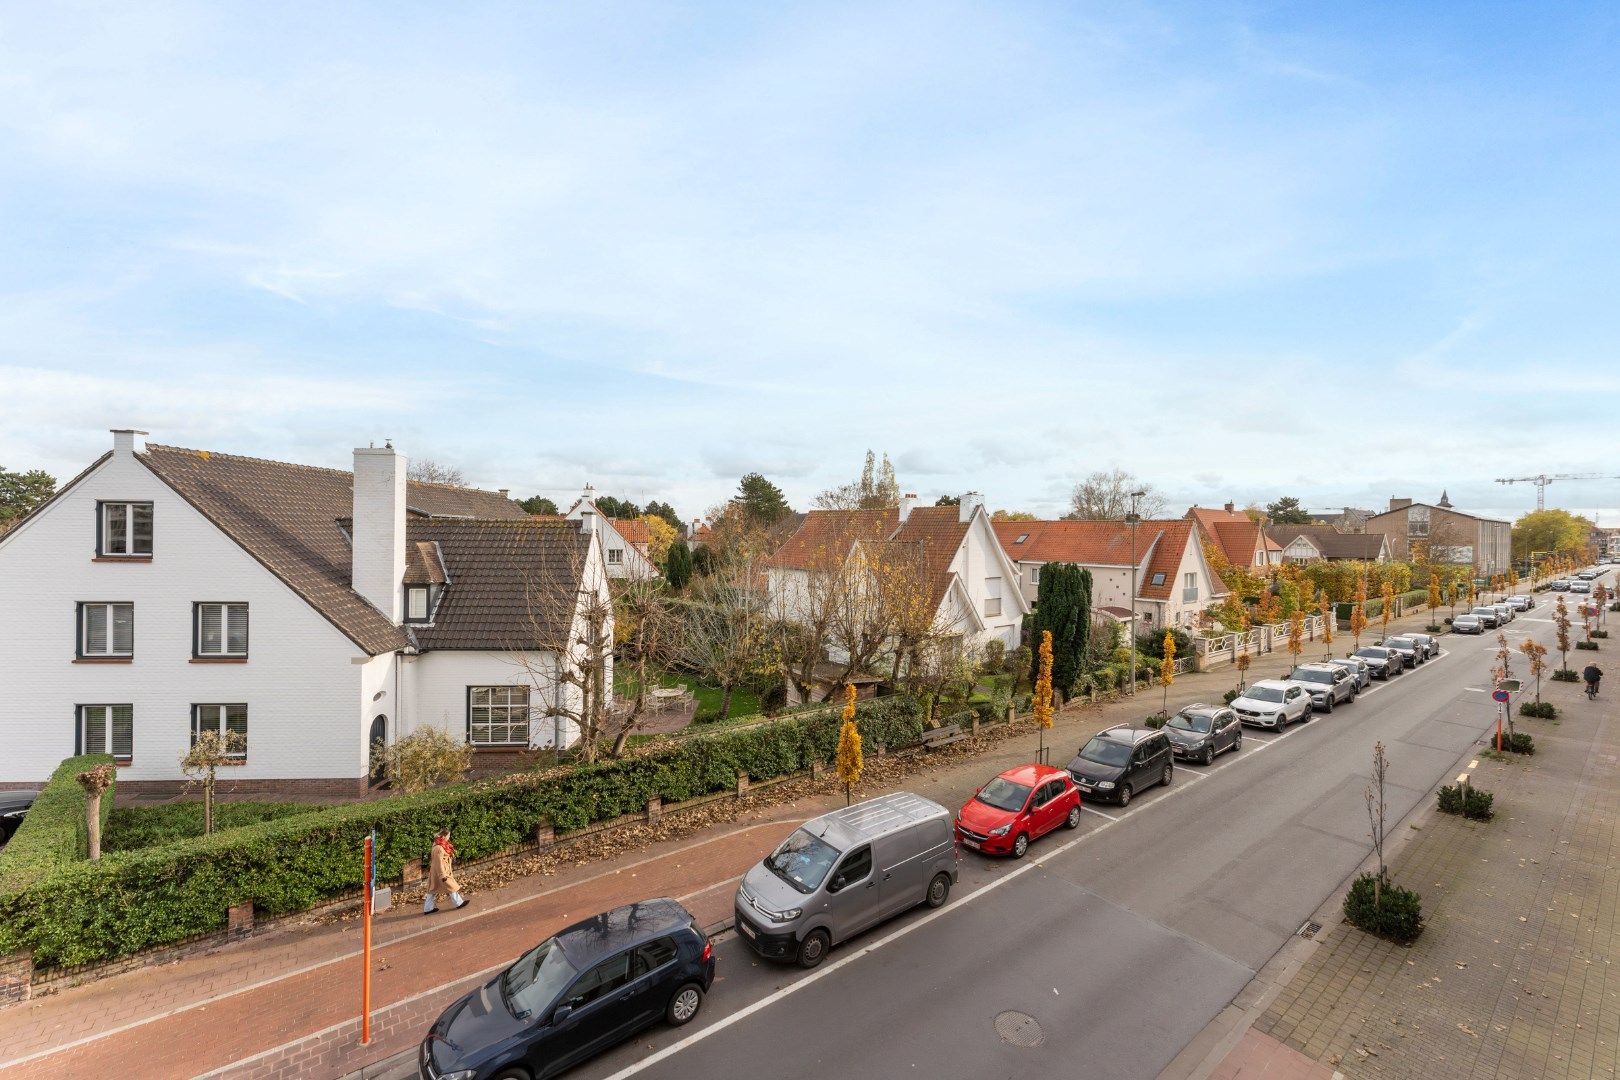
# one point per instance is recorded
(208, 455)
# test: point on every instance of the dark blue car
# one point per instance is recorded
(574, 995)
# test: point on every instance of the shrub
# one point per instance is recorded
(995, 656)
(1565, 675)
(52, 833)
(1435, 628)
(1588, 645)
(133, 900)
(1540, 710)
(986, 711)
(1468, 801)
(1231, 695)
(1517, 742)
(1157, 720)
(1600, 633)
(1396, 913)
(426, 758)
(133, 827)
(1103, 678)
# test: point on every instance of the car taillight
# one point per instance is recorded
(708, 950)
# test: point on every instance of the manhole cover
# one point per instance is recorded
(1019, 1029)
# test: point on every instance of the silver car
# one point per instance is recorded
(1328, 684)
(1468, 624)
(1504, 613)
(1357, 667)
(1430, 643)
(844, 872)
(1489, 617)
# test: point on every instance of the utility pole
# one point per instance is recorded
(1134, 519)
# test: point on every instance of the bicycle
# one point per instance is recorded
(1591, 691)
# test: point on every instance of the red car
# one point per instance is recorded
(1025, 802)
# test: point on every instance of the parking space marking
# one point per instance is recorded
(1094, 810)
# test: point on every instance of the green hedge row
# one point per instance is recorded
(156, 896)
(52, 833)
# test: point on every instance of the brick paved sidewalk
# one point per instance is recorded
(280, 1004)
(1517, 973)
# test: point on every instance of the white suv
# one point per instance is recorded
(1272, 703)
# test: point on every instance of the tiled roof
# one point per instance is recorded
(1088, 543)
(1168, 548)
(634, 531)
(1332, 543)
(423, 563)
(513, 583)
(1237, 535)
(824, 537)
(287, 517)
(939, 531)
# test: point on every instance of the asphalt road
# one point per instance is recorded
(1120, 941)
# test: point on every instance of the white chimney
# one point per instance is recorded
(378, 563)
(971, 501)
(587, 520)
(908, 503)
(128, 441)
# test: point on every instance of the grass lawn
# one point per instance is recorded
(743, 702)
(132, 827)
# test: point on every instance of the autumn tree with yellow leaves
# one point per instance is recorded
(849, 747)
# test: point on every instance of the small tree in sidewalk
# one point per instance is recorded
(95, 782)
(849, 747)
(1296, 636)
(1561, 621)
(1167, 669)
(1325, 606)
(1536, 653)
(1387, 596)
(1042, 705)
(210, 750)
(1358, 612)
(1375, 903)
(1433, 601)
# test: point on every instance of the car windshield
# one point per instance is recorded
(1311, 675)
(1003, 794)
(1263, 693)
(802, 861)
(1191, 722)
(533, 983)
(1373, 651)
(1106, 752)
(1399, 643)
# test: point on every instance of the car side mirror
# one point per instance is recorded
(838, 884)
(560, 1014)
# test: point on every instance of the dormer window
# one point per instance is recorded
(418, 603)
(124, 529)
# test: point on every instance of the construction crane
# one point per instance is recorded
(1544, 479)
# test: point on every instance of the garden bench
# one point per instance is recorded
(943, 736)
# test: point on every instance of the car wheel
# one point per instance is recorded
(938, 890)
(1169, 771)
(1237, 742)
(1020, 845)
(684, 1005)
(1330, 703)
(1209, 755)
(1073, 820)
(1125, 795)
(813, 949)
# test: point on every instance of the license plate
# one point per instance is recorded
(974, 844)
(745, 929)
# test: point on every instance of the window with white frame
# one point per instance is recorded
(1034, 575)
(125, 528)
(615, 556)
(498, 715)
(417, 603)
(106, 630)
(224, 720)
(107, 729)
(1189, 587)
(1417, 521)
(222, 630)
(992, 596)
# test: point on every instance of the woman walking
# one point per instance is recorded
(441, 874)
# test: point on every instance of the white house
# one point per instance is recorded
(1174, 581)
(625, 557)
(972, 585)
(164, 591)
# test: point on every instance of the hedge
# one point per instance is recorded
(52, 833)
(136, 900)
(1396, 914)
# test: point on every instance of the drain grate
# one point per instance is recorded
(1019, 1029)
(1310, 930)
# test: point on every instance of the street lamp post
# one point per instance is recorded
(1134, 519)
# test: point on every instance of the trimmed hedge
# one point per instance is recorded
(1470, 802)
(1397, 914)
(1565, 675)
(137, 900)
(1541, 710)
(52, 833)
(1517, 742)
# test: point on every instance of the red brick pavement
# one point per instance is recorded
(1258, 1056)
(237, 1011)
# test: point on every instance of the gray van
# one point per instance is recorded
(844, 872)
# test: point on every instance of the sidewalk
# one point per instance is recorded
(1517, 973)
(286, 1003)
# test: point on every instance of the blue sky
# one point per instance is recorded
(1342, 252)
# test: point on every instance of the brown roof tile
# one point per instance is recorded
(1332, 543)
(287, 517)
(824, 538)
(634, 531)
(423, 563)
(1088, 543)
(513, 583)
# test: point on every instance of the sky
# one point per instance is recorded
(1338, 252)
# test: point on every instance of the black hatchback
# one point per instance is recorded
(1121, 762)
(574, 995)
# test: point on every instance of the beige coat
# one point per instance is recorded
(441, 876)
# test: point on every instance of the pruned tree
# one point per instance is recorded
(1537, 654)
(428, 757)
(428, 471)
(1105, 495)
(1377, 815)
(1324, 607)
(849, 747)
(1242, 660)
(211, 749)
(1296, 635)
(1358, 612)
(1063, 607)
(1434, 600)
(95, 782)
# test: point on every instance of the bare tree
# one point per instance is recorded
(1376, 814)
(1105, 495)
(722, 628)
(876, 489)
(566, 648)
(644, 625)
(428, 471)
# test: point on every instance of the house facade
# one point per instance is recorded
(966, 579)
(167, 591)
(624, 557)
(1322, 543)
(1174, 581)
(1446, 534)
(1236, 535)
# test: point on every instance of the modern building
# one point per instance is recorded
(1445, 534)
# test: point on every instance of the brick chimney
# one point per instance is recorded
(378, 549)
(908, 503)
(971, 501)
(1399, 504)
(1231, 508)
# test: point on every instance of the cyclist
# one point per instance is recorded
(1592, 674)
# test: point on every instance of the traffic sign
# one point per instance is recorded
(1499, 695)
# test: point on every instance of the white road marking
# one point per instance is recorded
(1099, 813)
